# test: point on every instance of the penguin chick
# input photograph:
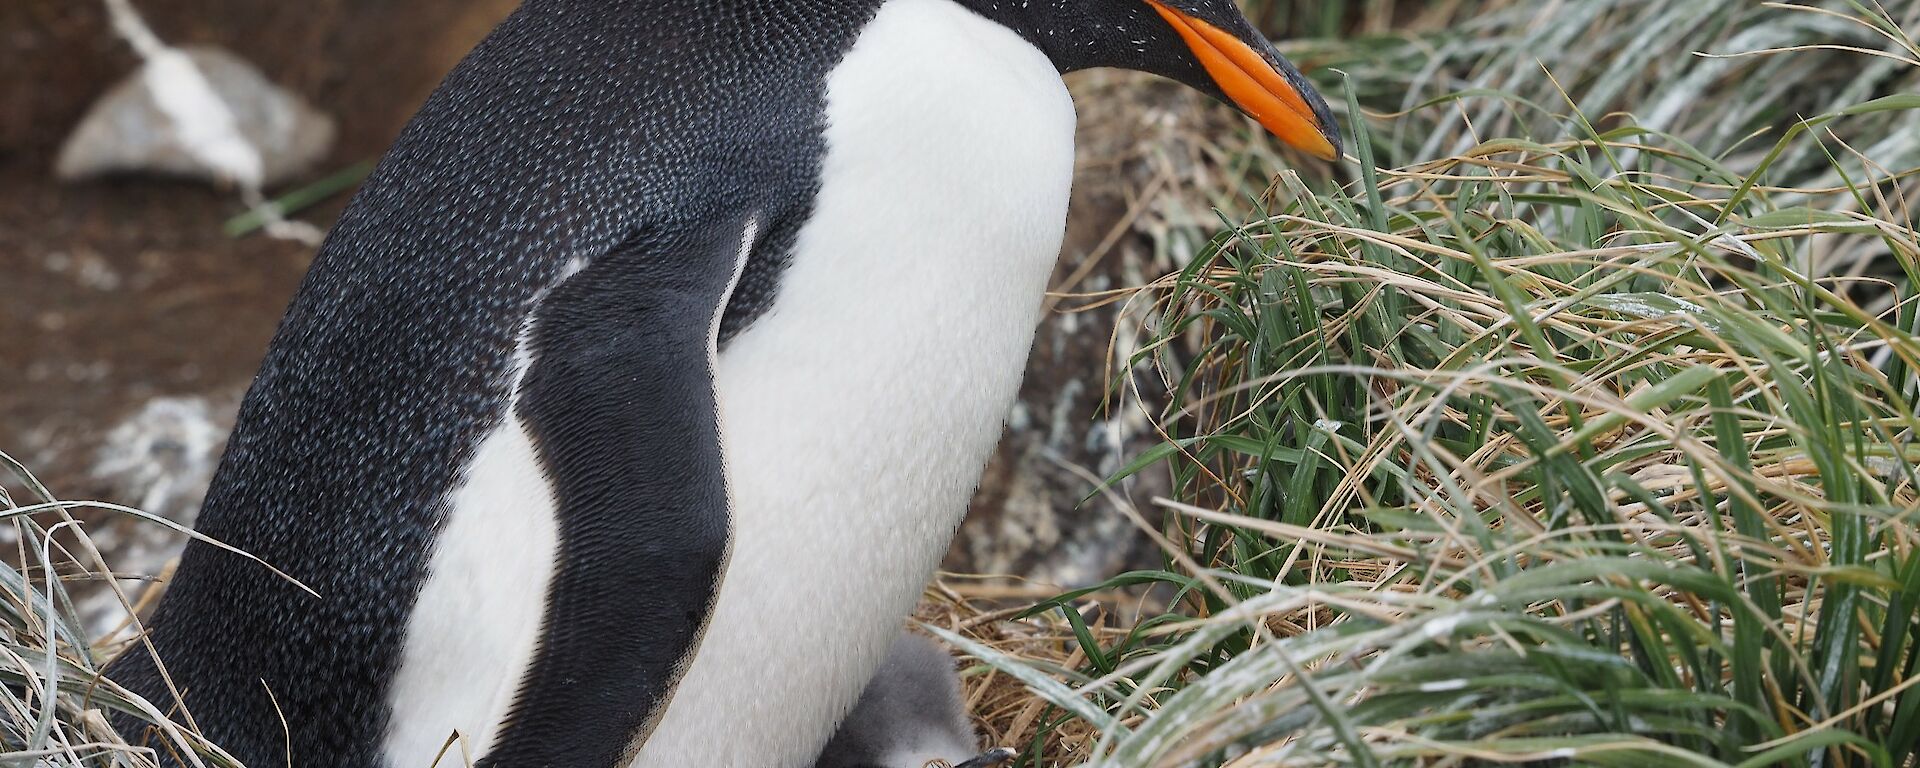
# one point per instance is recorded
(910, 715)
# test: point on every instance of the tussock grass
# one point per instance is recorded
(1596, 449)
(1703, 71)
(54, 703)
(1440, 77)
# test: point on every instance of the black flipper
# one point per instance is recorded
(620, 401)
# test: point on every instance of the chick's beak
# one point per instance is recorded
(1260, 83)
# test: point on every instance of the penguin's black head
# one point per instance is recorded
(1205, 44)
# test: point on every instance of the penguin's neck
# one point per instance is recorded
(1049, 24)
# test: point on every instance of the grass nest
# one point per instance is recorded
(1589, 450)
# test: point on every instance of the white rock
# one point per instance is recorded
(199, 113)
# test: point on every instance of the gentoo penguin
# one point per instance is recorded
(628, 406)
(911, 715)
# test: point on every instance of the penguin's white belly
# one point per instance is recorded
(480, 610)
(858, 412)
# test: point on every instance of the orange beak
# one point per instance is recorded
(1254, 84)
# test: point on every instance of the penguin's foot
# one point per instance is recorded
(989, 758)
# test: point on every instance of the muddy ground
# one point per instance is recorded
(124, 300)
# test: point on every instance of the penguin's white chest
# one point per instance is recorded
(858, 412)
